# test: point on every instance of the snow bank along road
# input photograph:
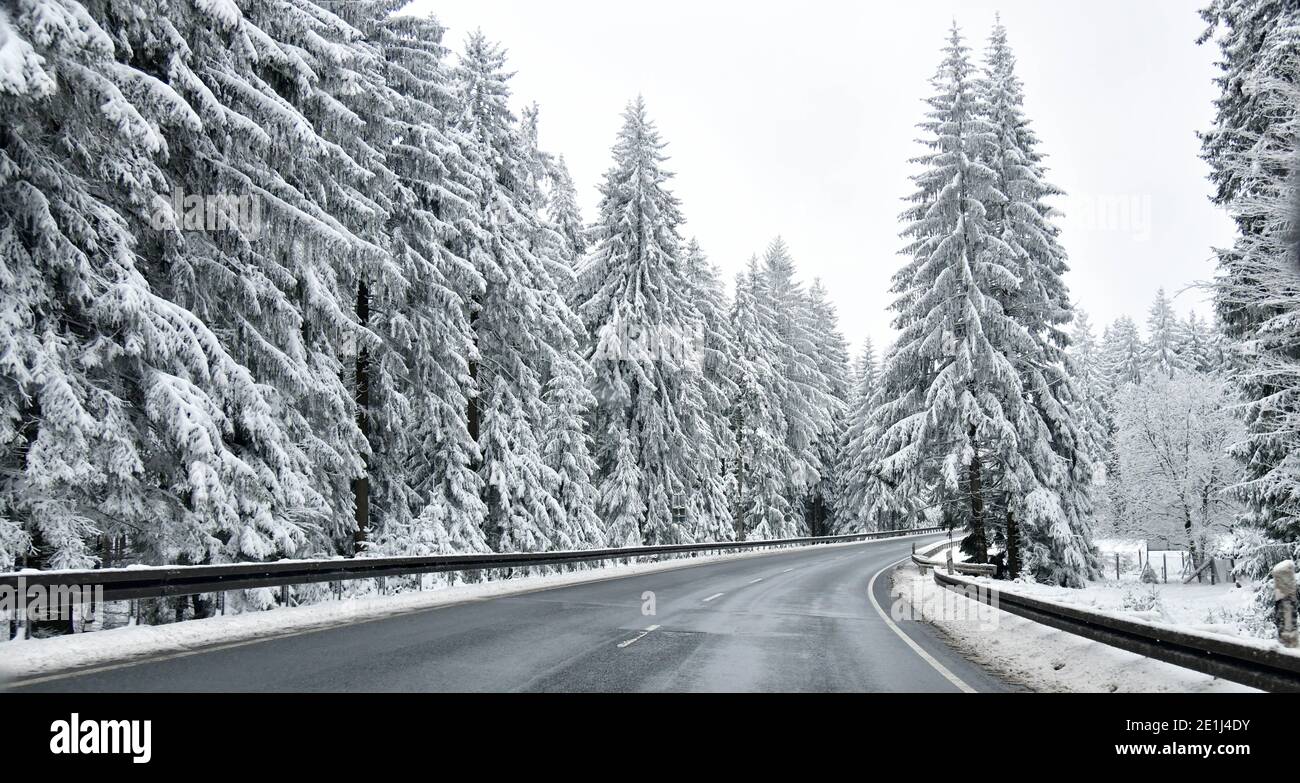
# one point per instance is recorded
(800, 620)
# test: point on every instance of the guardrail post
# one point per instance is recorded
(1284, 603)
(949, 551)
(1117, 566)
(1164, 566)
(284, 595)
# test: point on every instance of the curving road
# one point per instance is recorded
(796, 620)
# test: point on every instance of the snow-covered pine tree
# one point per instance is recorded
(635, 300)
(563, 211)
(520, 321)
(1123, 354)
(567, 397)
(428, 495)
(1123, 364)
(73, 442)
(1164, 337)
(831, 354)
(567, 451)
(1047, 509)
(710, 511)
(1197, 344)
(802, 390)
(865, 502)
(949, 397)
(1254, 154)
(1090, 380)
(762, 456)
(621, 505)
(238, 321)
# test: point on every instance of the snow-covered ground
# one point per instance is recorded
(1222, 608)
(1046, 659)
(32, 658)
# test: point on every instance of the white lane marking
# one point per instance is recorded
(756, 581)
(916, 648)
(638, 637)
(715, 595)
(788, 570)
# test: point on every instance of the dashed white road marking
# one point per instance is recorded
(755, 581)
(638, 637)
(788, 570)
(715, 595)
(916, 648)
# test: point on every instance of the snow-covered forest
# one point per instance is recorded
(296, 278)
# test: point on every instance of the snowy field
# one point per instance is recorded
(1222, 609)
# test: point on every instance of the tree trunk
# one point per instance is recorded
(361, 484)
(1013, 545)
(978, 541)
(471, 406)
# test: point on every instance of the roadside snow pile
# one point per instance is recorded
(1044, 658)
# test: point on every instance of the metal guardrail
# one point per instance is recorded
(1258, 667)
(923, 561)
(121, 584)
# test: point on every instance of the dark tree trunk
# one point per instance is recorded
(1013, 545)
(361, 484)
(471, 407)
(977, 542)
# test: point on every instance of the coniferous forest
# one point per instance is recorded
(296, 278)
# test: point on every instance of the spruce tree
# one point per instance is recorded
(860, 492)
(521, 319)
(1123, 353)
(949, 397)
(634, 297)
(802, 390)
(1162, 352)
(711, 501)
(1047, 508)
(762, 460)
(1252, 152)
(831, 355)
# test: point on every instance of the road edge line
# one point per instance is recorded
(916, 648)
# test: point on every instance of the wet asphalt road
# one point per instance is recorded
(796, 620)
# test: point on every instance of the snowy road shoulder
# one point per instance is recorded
(1040, 657)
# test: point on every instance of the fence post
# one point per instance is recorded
(1117, 566)
(1284, 603)
(949, 551)
(1164, 566)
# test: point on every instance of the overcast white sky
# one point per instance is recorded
(798, 120)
